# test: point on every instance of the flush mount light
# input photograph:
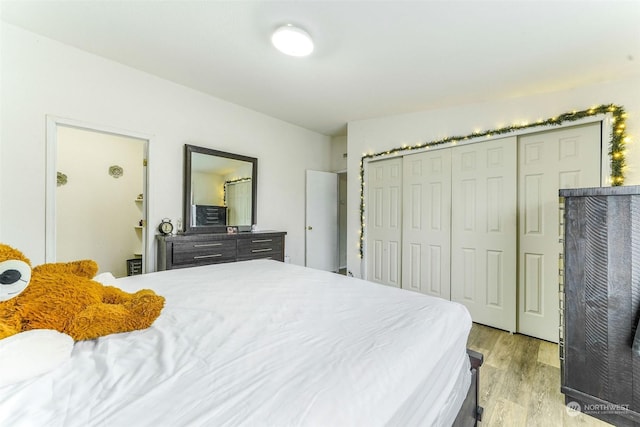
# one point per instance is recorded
(292, 41)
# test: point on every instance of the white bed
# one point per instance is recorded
(261, 343)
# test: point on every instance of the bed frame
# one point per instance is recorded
(471, 412)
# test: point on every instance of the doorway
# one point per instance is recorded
(96, 207)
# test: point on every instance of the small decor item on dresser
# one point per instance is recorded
(165, 227)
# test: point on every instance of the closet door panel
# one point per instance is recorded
(548, 161)
(426, 232)
(384, 221)
(483, 231)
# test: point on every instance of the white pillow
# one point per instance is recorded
(32, 353)
(105, 278)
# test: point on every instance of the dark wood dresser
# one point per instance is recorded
(189, 250)
(600, 302)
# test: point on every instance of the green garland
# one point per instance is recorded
(616, 145)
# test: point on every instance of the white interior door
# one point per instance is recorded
(548, 161)
(384, 221)
(483, 238)
(426, 231)
(322, 221)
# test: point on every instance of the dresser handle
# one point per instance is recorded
(207, 256)
(262, 241)
(206, 245)
(261, 250)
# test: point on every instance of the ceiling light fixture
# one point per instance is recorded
(292, 41)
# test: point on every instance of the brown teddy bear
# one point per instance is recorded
(63, 297)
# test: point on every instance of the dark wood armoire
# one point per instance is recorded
(600, 302)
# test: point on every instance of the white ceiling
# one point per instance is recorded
(372, 58)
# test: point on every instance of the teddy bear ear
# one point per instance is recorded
(7, 253)
(14, 278)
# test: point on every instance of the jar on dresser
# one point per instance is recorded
(190, 250)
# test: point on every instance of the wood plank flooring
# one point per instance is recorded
(520, 381)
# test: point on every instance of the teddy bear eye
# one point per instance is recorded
(9, 277)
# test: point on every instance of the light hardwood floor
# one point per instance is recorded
(520, 381)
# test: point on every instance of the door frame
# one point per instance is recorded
(51, 155)
(343, 216)
(606, 129)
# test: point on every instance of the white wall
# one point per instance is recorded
(339, 164)
(42, 77)
(207, 188)
(378, 135)
(338, 150)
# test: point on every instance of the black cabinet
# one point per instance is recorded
(211, 215)
(134, 266)
(188, 250)
(600, 302)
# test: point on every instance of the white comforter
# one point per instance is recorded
(261, 343)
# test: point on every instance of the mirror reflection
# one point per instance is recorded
(219, 191)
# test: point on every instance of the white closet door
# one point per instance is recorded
(384, 221)
(548, 161)
(426, 261)
(483, 242)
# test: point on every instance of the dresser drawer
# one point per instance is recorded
(256, 247)
(204, 252)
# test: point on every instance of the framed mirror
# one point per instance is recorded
(219, 190)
